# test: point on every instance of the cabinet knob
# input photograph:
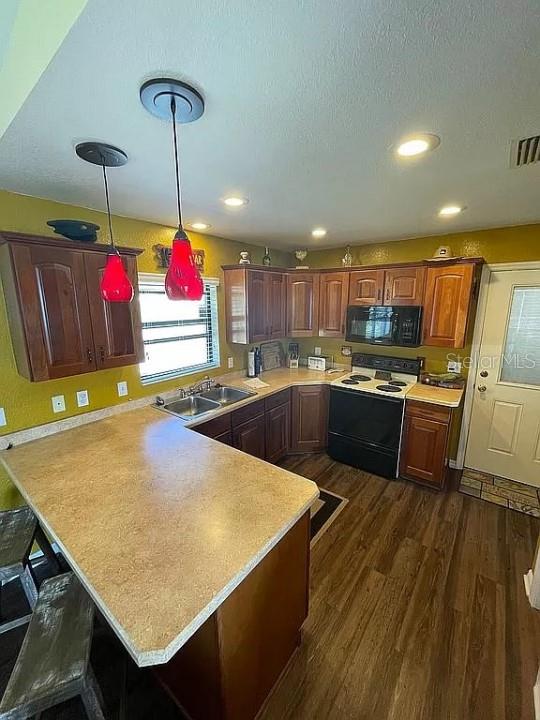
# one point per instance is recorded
(90, 355)
(102, 354)
(482, 388)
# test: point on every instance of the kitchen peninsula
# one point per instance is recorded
(197, 554)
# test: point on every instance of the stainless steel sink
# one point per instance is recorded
(191, 406)
(226, 395)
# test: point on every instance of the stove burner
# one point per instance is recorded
(388, 388)
(360, 378)
(397, 383)
(349, 381)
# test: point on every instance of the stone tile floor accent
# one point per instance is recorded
(501, 491)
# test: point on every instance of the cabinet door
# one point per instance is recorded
(309, 418)
(277, 306)
(257, 295)
(446, 305)
(54, 310)
(116, 326)
(423, 452)
(366, 287)
(334, 295)
(278, 431)
(302, 304)
(404, 286)
(225, 438)
(249, 437)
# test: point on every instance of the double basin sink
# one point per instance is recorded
(195, 405)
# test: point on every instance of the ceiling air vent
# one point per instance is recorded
(525, 151)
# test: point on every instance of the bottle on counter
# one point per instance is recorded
(251, 363)
(267, 260)
(258, 363)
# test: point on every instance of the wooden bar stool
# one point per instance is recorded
(17, 530)
(53, 663)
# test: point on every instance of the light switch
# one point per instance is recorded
(58, 403)
(230, 362)
(82, 398)
(3, 420)
(454, 366)
(317, 351)
(122, 388)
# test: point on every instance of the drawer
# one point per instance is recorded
(247, 412)
(216, 426)
(279, 398)
(428, 411)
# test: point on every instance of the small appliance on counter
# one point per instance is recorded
(452, 381)
(320, 362)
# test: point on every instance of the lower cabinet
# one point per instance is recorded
(249, 437)
(425, 443)
(309, 425)
(278, 432)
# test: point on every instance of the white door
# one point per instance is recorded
(504, 433)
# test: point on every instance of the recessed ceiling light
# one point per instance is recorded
(450, 210)
(235, 201)
(418, 144)
(199, 226)
(318, 232)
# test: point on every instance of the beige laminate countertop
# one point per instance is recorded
(160, 523)
(436, 395)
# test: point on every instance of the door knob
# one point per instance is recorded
(484, 373)
(482, 388)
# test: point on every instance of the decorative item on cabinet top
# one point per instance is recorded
(45, 277)
(163, 256)
(79, 230)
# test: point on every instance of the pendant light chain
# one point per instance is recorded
(176, 168)
(108, 205)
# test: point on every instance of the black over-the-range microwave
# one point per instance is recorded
(385, 324)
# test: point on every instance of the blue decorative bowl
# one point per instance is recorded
(75, 229)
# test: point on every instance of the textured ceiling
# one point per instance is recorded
(304, 100)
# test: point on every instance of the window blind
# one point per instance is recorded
(179, 337)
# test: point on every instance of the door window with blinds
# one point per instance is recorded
(521, 357)
(180, 337)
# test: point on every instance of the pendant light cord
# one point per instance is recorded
(175, 141)
(108, 205)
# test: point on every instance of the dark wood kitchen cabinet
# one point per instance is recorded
(278, 425)
(366, 287)
(333, 299)
(250, 437)
(59, 324)
(309, 424)
(424, 448)
(255, 305)
(449, 289)
(404, 286)
(302, 304)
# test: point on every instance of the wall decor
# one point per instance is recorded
(163, 256)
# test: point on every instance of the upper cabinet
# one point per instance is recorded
(366, 287)
(255, 305)
(60, 326)
(333, 297)
(268, 303)
(446, 306)
(404, 286)
(302, 304)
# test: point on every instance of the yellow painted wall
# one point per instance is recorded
(510, 244)
(28, 404)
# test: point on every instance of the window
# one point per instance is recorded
(521, 358)
(179, 337)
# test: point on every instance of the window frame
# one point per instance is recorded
(158, 279)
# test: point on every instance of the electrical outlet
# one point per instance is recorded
(58, 403)
(230, 362)
(317, 351)
(82, 398)
(122, 388)
(453, 366)
(3, 420)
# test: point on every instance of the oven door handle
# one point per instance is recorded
(359, 394)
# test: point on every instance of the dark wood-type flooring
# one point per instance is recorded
(418, 609)
(418, 612)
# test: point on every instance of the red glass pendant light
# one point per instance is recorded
(172, 99)
(115, 285)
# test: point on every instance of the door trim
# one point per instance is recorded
(487, 271)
